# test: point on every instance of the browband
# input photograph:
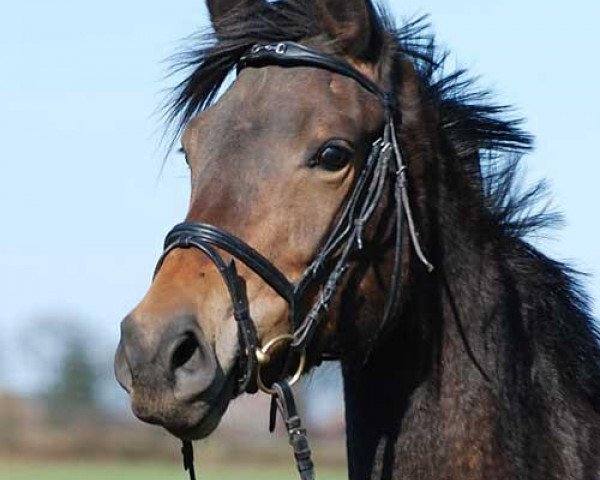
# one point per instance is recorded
(291, 54)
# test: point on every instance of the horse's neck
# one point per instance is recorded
(459, 405)
(428, 423)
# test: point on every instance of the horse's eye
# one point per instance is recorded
(334, 157)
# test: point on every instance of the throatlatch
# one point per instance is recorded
(383, 166)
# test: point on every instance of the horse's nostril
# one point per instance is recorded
(178, 363)
(186, 352)
(192, 365)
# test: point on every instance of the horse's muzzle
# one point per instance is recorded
(173, 378)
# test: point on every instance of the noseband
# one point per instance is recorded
(330, 265)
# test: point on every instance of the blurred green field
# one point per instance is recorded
(10, 470)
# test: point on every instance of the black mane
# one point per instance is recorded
(489, 145)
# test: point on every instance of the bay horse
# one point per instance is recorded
(382, 197)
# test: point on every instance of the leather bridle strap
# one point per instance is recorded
(214, 236)
(291, 54)
(283, 400)
(187, 452)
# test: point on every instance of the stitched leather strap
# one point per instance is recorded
(284, 400)
(291, 54)
(211, 235)
(187, 451)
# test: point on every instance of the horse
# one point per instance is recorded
(350, 200)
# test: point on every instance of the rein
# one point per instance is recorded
(384, 162)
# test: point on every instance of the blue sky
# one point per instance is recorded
(84, 204)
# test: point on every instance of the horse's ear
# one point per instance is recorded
(351, 25)
(221, 9)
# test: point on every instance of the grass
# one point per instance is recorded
(147, 471)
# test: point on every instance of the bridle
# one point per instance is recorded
(330, 265)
